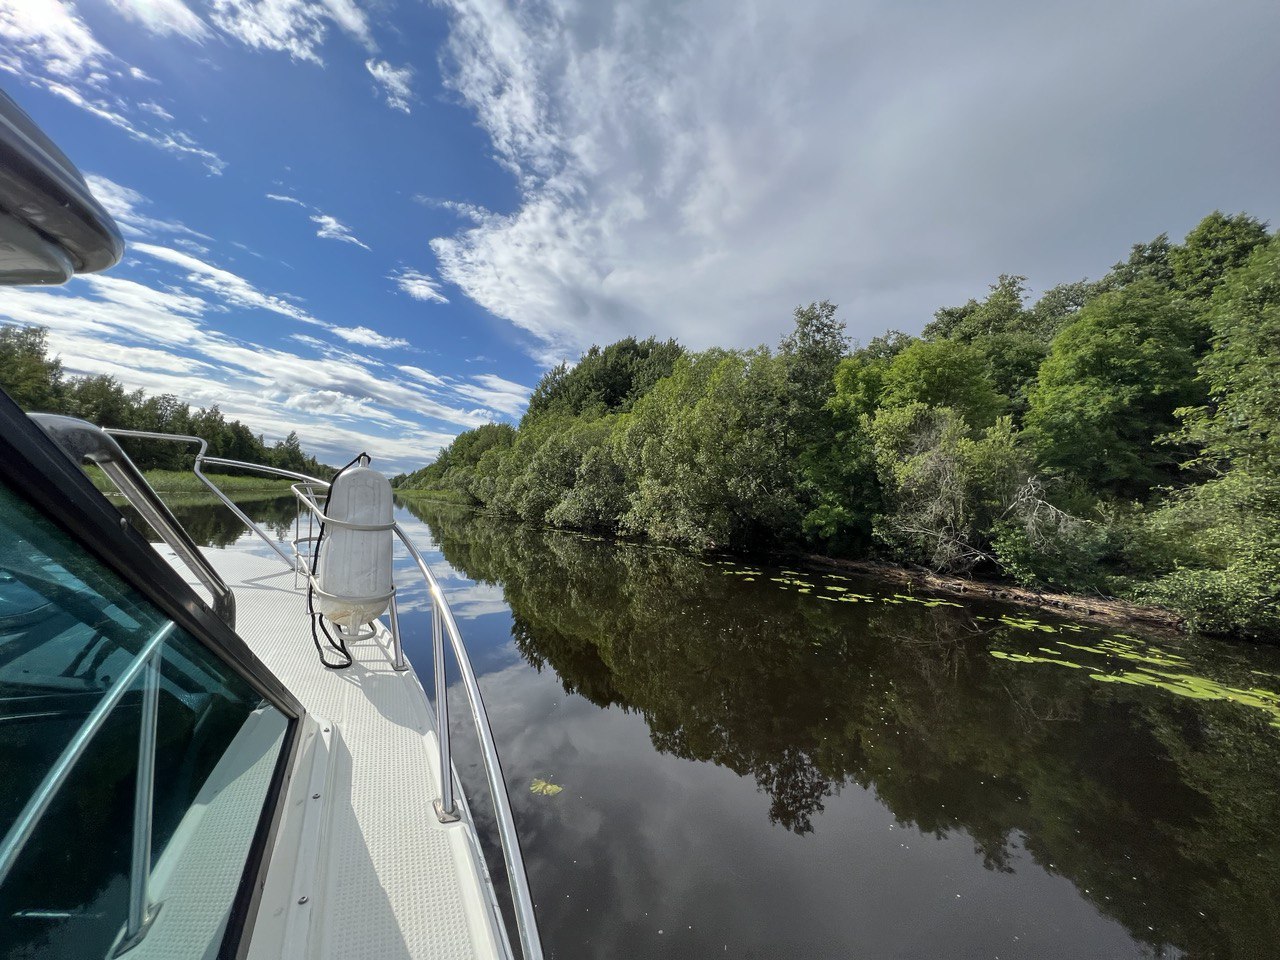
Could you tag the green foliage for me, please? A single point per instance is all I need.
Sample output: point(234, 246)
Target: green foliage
point(453, 465)
point(607, 380)
point(1116, 436)
point(942, 373)
point(945, 485)
point(713, 449)
point(1109, 388)
point(1001, 312)
point(1227, 530)
point(35, 382)
point(1218, 244)
point(1045, 547)
point(1147, 261)
point(28, 374)
point(813, 350)
point(1011, 339)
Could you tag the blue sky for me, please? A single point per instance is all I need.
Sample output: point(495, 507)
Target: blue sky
point(378, 221)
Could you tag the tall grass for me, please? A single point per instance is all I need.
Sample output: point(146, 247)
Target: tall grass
point(184, 481)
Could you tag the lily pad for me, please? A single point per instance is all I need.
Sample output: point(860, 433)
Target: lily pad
point(544, 788)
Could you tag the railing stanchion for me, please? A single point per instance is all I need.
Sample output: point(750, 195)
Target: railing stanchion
point(444, 807)
point(397, 648)
point(143, 796)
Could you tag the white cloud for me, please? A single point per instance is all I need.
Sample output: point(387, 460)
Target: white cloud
point(368, 338)
point(50, 33)
point(331, 228)
point(426, 376)
point(696, 170)
point(295, 27)
point(394, 82)
point(156, 339)
point(229, 287)
point(495, 393)
point(155, 109)
point(419, 285)
point(468, 211)
point(123, 204)
point(46, 44)
point(174, 141)
point(163, 17)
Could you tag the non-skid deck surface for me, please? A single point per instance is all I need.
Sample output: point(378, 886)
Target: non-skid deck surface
point(396, 883)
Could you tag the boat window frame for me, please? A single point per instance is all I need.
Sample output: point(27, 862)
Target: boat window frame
point(37, 470)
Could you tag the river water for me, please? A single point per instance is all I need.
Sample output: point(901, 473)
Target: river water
point(708, 758)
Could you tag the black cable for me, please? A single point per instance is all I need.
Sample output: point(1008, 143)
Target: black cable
point(318, 618)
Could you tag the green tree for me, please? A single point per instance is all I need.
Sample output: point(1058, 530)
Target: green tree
point(101, 400)
point(846, 490)
point(604, 380)
point(1218, 244)
point(712, 451)
point(27, 373)
point(942, 373)
point(945, 487)
point(1225, 534)
point(1011, 339)
point(813, 350)
point(1146, 261)
point(1109, 388)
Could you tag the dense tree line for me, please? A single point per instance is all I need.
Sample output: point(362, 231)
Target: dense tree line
point(1116, 436)
point(36, 382)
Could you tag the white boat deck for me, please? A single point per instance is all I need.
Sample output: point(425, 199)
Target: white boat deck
point(381, 876)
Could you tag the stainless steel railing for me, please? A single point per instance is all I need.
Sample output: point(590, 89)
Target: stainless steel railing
point(83, 442)
point(307, 490)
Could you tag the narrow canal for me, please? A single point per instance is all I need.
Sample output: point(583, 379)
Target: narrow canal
point(713, 759)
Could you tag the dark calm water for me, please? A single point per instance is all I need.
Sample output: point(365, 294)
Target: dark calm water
point(767, 763)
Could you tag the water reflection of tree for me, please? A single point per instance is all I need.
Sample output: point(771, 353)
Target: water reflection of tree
point(1162, 811)
point(212, 525)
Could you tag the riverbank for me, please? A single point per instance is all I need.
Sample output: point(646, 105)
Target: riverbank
point(1108, 610)
point(1101, 609)
point(186, 482)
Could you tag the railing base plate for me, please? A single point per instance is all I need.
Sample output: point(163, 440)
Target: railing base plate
point(445, 816)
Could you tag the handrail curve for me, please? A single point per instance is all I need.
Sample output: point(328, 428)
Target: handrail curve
point(85, 443)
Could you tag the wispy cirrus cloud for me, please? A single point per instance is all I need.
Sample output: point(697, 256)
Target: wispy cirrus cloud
point(158, 338)
point(170, 141)
point(48, 45)
point(161, 323)
point(50, 34)
point(285, 198)
point(295, 27)
point(496, 393)
point(229, 287)
point(125, 206)
point(164, 18)
point(153, 108)
point(331, 228)
point(328, 227)
point(418, 285)
point(395, 83)
point(365, 337)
